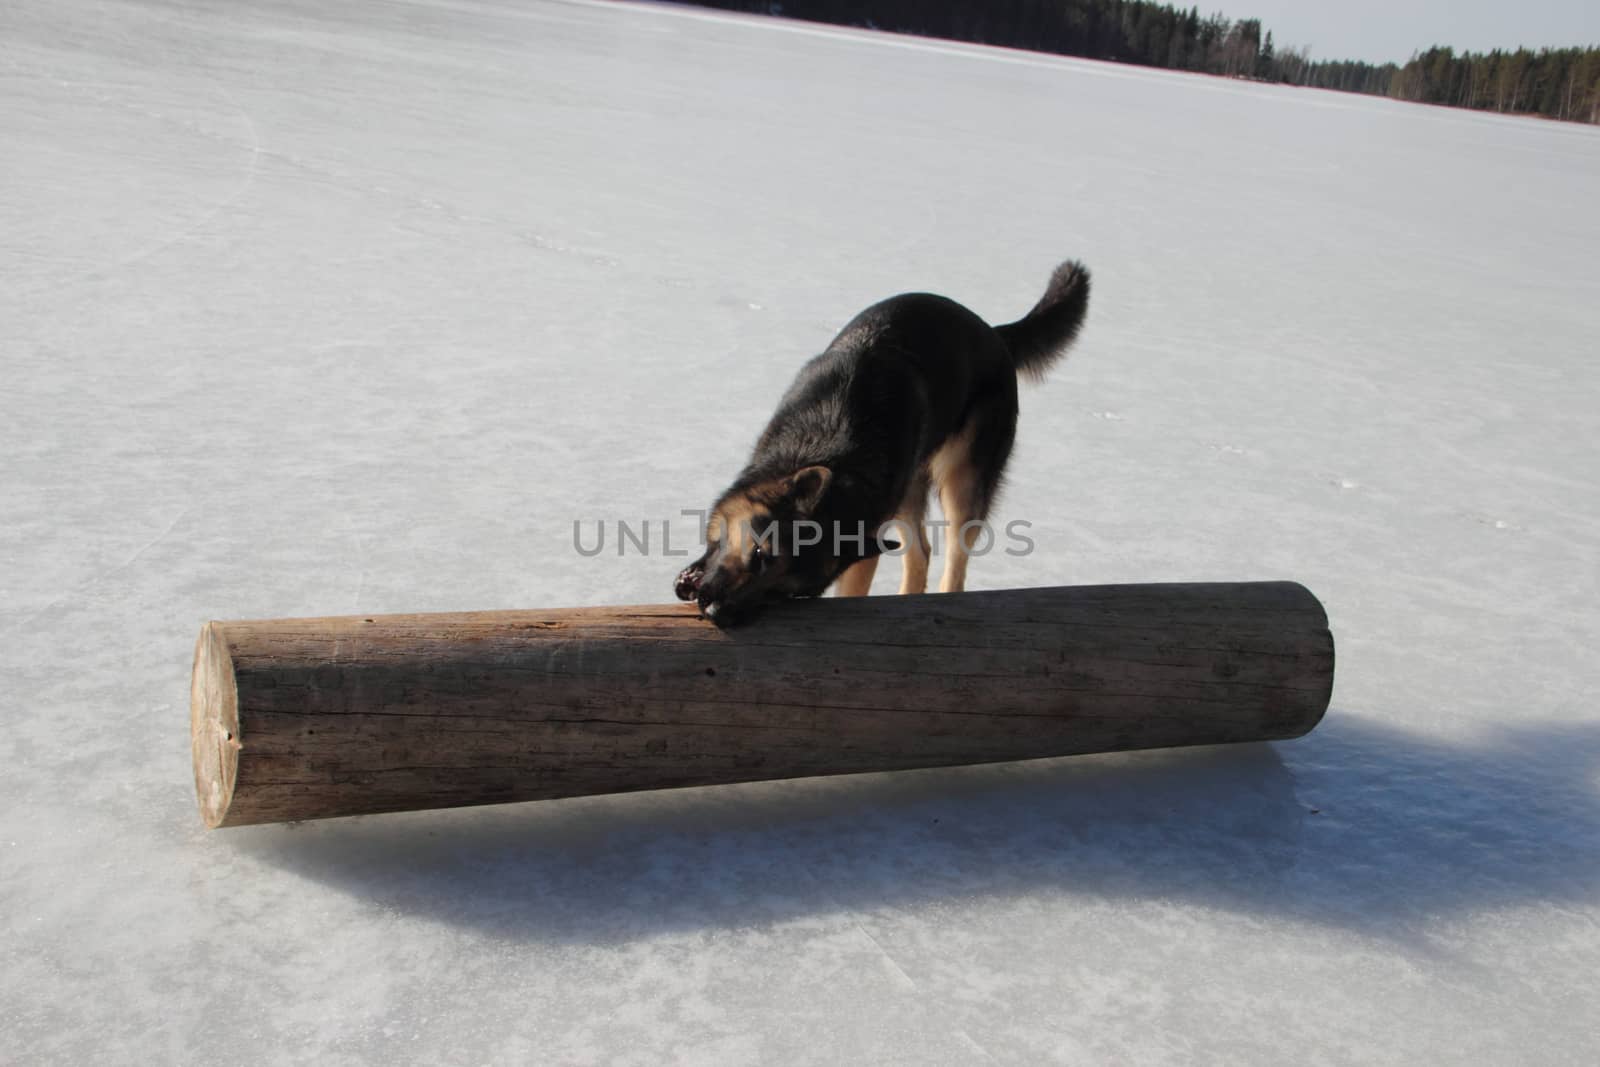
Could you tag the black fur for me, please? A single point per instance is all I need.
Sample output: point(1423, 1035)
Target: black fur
point(1044, 334)
point(902, 379)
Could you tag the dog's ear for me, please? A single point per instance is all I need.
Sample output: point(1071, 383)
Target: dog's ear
point(806, 487)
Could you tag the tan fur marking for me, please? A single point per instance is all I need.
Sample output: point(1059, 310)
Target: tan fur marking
point(857, 578)
point(956, 453)
point(914, 564)
point(909, 522)
point(732, 523)
point(956, 479)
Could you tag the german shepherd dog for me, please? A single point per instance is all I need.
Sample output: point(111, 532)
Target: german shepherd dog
point(916, 394)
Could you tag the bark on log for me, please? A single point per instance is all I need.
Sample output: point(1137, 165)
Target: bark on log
point(310, 718)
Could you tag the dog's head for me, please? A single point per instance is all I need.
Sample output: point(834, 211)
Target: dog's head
point(772, 540)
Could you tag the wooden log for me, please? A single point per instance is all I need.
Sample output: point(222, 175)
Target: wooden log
point(310, 718)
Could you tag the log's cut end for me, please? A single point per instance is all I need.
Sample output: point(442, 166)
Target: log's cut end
point(214, 725)
point(1322, 653)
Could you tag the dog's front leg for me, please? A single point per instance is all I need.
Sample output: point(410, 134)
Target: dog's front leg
point(914, 578)
point(857, 580)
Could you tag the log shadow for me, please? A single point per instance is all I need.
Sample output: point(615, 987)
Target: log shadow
point(1359, 825)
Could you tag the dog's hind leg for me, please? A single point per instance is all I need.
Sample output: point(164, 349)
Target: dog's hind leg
point(912, 518)
point(968, 469)
point(960, 501)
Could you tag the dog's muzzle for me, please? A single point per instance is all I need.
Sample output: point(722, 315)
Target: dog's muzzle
point(687, 585)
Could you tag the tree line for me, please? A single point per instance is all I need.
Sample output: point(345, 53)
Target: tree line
point(1558, 83)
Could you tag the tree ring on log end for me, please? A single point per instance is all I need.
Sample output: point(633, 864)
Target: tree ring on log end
point(214, 725)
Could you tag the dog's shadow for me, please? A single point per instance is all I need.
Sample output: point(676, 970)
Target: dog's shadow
point(1357, 825)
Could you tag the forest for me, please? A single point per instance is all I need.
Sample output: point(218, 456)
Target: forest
point(1557, 83)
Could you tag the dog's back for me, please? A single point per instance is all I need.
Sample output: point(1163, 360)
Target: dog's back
point(896, 381)
point(908, 373)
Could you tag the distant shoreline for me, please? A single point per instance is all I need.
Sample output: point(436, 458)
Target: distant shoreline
point(1562, 84)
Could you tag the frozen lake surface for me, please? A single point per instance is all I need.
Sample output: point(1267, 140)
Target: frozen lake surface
point(313, 308)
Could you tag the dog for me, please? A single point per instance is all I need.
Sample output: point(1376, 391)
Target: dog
point(917, 394)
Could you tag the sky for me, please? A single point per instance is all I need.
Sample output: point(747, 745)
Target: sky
point(1384, 30)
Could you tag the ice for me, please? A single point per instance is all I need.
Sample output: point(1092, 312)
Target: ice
point(315, 308)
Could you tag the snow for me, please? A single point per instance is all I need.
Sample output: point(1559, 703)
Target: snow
point(315, 308)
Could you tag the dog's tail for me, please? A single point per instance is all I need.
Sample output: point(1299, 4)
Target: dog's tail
point(1044, 334)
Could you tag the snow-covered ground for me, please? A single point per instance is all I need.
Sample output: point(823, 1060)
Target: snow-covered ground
point(314, 308)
